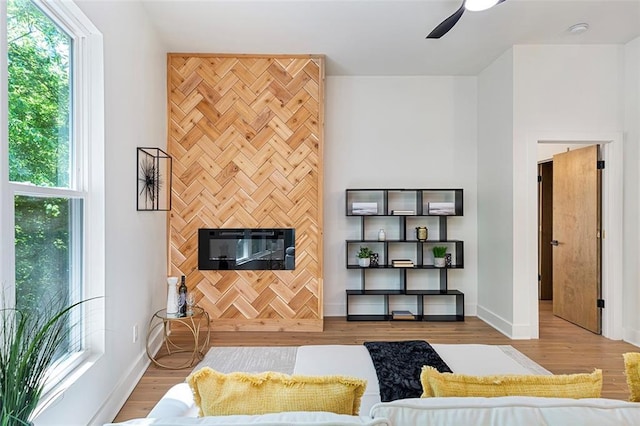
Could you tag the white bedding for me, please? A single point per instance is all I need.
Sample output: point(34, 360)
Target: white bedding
point(177, 406)
point(354, 360)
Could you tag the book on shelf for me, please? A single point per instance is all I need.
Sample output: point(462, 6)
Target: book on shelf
point(402, 315)
point(402, 263)
point(403, 212)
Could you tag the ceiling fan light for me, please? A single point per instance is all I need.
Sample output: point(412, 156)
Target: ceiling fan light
point(477, 5)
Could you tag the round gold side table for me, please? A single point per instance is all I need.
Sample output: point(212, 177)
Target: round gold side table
point(198, 323)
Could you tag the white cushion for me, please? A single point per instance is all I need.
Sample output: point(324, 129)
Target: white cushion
point(177, 402)
point(508, 410)
point(306, 418)
point(347, 360)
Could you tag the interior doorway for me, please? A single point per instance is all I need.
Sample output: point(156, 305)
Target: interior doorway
point(525, 215)
point(569, 234)
point(545, 230)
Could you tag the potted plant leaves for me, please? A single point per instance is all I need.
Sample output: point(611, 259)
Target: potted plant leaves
point(29, 343)
point(364, 256)
point(438, 256)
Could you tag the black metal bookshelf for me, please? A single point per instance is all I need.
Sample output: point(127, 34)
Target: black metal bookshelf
point(406, 206)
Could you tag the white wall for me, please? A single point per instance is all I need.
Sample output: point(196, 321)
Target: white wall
point(631, 289)
point(397, 132)
point(135, 111)
point(495, 193)
point(558, 91)
point(567, 88)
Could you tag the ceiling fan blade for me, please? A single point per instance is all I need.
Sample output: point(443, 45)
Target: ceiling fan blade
point(447, 24)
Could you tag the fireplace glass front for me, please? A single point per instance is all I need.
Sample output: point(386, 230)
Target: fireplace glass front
point(246, 248)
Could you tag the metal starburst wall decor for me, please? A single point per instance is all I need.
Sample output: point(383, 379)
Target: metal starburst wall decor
point(154, 180)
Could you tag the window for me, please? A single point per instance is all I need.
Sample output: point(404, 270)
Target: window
point(51, 162)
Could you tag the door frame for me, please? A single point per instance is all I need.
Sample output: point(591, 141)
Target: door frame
point(525, 273)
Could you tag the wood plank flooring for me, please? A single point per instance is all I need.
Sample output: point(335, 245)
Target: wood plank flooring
point(563, 348)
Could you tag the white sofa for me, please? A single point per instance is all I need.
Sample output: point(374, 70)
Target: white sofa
point(178, 408)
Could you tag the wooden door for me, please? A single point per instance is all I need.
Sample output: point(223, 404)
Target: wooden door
point(576, 237)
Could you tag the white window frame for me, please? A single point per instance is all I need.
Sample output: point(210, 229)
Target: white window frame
point(89, 182)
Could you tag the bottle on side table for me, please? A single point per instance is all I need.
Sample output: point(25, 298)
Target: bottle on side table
point(182, 298)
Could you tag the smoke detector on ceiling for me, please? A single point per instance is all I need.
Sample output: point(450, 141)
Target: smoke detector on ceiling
point(578, 28)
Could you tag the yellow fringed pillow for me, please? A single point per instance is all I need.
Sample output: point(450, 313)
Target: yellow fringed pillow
point(218, 394)
point(576, 386)
point(632, 372)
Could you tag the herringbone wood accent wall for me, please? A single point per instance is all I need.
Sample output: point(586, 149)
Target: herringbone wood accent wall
point(245, 134)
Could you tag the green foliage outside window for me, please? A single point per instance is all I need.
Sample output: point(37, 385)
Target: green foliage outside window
point(39, 101)
point(42, 249)
point(39, 97)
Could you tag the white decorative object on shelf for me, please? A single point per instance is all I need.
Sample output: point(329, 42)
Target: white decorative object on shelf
point(381, 235)
point(442, 208)
point(364, 208)
point(364, 261)
point(172, 296)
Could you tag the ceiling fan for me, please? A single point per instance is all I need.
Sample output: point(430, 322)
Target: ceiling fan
point(473, 5)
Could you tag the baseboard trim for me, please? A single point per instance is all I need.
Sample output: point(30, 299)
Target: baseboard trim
point(631, 335)
point(495, 321)
point(123, 389)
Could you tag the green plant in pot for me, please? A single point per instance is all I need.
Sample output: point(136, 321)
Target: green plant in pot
point(438, 256)
point(364, 256)
point(29, 345)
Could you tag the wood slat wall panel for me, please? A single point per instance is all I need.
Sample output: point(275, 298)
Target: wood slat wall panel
point(245, 134)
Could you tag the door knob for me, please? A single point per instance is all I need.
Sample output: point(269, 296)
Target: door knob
point(554, 242)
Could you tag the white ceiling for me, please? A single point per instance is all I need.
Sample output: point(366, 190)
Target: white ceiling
point(386, 37)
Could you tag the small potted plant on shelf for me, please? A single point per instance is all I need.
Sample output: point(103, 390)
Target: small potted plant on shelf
point(364, 256)
point(438, 256)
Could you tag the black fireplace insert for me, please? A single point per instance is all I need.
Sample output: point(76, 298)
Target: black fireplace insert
point(246, 248)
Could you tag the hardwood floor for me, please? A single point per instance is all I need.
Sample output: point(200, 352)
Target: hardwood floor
point(563, 348)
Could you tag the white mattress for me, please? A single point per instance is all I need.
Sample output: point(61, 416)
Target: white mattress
point(354, 360)
point(483, 360)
